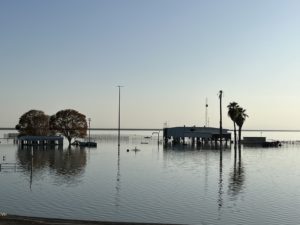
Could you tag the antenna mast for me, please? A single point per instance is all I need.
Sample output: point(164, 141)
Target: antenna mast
point(206, 109)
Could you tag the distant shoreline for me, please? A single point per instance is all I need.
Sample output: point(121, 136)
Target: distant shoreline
point(107, 129)
point(161, 129)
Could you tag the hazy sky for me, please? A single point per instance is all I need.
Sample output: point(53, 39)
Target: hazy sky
point(170, 55)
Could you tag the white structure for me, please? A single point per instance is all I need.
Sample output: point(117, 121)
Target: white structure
point(201, 134)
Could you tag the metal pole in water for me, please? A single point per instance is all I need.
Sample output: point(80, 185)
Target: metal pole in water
point(119, 121)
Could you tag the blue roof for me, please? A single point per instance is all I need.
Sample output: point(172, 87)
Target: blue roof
point(40, 138)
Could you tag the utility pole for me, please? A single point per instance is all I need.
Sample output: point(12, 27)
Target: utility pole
point(119, 121)
point(221, 135)
point(206, 113)
point(89, 119)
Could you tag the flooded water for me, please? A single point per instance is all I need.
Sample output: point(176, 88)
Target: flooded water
point(167, 185)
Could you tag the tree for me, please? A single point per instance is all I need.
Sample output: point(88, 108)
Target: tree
point(33, 122)
point(240, 119)
point(69, 123)
point(232, 113)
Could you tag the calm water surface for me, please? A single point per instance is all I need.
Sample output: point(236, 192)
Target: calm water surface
point(181, 185)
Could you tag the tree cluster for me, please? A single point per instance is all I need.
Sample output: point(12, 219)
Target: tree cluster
point(69, 123)
point(238, 115)
point(34, 122)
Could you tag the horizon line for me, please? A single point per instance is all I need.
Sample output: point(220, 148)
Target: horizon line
point(161, 129)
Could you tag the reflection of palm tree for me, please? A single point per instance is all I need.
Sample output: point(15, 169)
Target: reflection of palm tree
point(232, 113)
point(237, 179)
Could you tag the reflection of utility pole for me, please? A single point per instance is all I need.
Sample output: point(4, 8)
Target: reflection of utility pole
point(206, 173)
point(31, 170)
point(119, 114)
point(118, 180)
point(220, 199)
point(221, 135)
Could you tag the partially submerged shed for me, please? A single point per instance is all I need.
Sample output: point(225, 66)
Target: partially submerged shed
point(195, 134)
point(41, 140)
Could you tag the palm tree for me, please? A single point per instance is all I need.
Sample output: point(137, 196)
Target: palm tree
point(232, 113)
point(240, 119)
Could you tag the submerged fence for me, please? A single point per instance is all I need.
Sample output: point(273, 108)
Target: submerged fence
point(10, 167)
point(123, 138)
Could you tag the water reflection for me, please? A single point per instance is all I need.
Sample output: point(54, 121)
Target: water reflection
point(237, 176)
point(118, 180)
point(201, 146)
point(220, 190)
point(185, 156)
point(66, 165)
point(205, 162)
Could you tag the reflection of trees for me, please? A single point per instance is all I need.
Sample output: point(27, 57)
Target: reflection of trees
point(66, 165)
point(237, 178)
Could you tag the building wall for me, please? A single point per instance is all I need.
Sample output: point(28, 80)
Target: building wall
point(202, 132)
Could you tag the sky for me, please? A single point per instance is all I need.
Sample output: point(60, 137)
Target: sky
point(169, 55)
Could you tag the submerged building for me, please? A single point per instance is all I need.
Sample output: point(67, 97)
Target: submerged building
point(40, 140)
point(198, 135)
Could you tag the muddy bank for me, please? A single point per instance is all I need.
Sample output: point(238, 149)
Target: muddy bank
point(24, 220)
